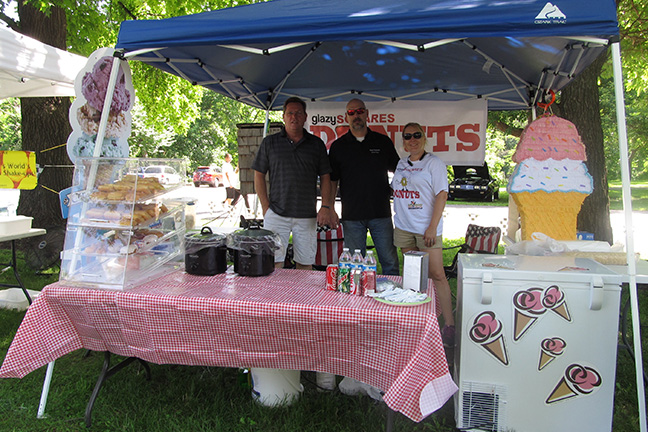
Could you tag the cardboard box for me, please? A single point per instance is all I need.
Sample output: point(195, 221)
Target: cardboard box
point(10, 225)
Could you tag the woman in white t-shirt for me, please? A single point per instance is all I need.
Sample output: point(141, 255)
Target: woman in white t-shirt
point(420, 187)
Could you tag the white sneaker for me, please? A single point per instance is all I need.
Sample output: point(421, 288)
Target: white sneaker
point(353, 387)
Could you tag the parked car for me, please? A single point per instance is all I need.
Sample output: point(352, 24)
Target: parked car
point(164, 173)
point(474, 183)
point(205, 175)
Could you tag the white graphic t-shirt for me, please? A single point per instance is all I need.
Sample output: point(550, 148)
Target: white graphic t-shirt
point(416, 185)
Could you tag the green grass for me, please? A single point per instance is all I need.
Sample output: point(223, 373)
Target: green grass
point(195, 399)
point(638, 191)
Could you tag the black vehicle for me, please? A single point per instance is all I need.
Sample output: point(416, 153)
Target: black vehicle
point(474, 183)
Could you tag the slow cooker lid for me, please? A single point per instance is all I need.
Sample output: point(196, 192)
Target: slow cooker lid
point(254, 239)
point(204, 237)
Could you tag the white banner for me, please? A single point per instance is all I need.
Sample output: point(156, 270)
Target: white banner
point(456, 131)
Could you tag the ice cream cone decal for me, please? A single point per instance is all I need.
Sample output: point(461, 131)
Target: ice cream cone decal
point(528, 308)
point(550, 348)
point(487, 332)
point(578, 381)
point(554, 299)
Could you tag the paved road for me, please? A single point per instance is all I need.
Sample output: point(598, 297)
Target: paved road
point(456, 217)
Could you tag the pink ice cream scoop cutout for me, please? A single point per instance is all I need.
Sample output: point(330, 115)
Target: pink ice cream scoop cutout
point(550, 137)
point(584, 379)
point(95, 85)
point(528, 308)
point(487, 332)
point(554, 300)
point(578, 380)
point(550, 349)
point(530, 301)
point(485, 326)
point(554, 345)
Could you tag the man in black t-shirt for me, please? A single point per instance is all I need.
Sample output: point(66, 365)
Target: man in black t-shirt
point(360, 161)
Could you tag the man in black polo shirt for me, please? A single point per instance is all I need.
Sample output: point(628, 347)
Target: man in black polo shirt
point(294, 159)
point(360, 160)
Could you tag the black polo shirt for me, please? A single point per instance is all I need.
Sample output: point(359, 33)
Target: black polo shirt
point(361, 168)
point(293, 168)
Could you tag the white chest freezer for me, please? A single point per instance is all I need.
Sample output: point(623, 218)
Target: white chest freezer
point(537, 343)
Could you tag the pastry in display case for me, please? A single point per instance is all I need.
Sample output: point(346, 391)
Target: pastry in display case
point(124, 224)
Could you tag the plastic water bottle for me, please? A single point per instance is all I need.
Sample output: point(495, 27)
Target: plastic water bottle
point(357, 260)
point(345, 259)
point(369, 263)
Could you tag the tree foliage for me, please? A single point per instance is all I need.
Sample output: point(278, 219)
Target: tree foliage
point(10, 138)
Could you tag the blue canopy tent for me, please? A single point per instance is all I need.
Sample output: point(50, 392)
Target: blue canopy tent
point(509, 52)
point(260, 54)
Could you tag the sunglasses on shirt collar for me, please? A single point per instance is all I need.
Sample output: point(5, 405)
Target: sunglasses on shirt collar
point(358, 111)
point(409, 136)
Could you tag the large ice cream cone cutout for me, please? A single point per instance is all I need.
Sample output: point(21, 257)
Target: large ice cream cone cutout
point(550, 348)
point(487, 332)
point(528, 308)
point(554, 299)
point(551, 181)
point(578, 380)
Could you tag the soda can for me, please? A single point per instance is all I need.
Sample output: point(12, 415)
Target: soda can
point(368, 282)
point(343, 282)
point(331, 277)
point(356, 282)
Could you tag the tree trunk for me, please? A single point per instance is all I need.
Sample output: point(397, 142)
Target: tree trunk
point(579, 103)
point(45, 126)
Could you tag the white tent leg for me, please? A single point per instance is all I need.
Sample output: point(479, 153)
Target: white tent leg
point(627, 207)
point(266, 123)
point(45, 392)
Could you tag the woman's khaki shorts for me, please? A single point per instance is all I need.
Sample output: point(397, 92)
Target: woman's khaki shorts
point(407, 240)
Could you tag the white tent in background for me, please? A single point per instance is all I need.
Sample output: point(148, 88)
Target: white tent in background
point(29, 68)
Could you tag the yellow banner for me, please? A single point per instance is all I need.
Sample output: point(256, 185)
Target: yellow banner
point(17, 170)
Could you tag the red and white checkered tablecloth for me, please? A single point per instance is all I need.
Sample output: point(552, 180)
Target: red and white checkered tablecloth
point(285, 320)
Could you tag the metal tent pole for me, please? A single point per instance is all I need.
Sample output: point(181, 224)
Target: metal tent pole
point(627, 208)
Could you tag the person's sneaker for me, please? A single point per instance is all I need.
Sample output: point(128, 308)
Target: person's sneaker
point(448, 336)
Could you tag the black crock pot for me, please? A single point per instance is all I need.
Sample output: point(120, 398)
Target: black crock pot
point(253, 250)
point(205, 252)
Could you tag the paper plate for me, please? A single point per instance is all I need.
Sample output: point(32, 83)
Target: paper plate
point(427, 300)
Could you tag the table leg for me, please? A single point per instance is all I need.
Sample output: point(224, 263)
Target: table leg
point(389, 424)
point(45, 392)
point(12, 265)
point(107, 372)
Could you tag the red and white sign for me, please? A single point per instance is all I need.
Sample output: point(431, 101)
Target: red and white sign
point(456, 131)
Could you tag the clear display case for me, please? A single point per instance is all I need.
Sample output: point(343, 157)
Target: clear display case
point(123, 225)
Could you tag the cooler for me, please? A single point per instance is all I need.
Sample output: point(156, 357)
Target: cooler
point(537, 343)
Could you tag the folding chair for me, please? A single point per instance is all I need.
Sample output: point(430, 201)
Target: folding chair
point(478, 240)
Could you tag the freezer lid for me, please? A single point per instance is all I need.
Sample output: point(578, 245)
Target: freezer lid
point(521, 267)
